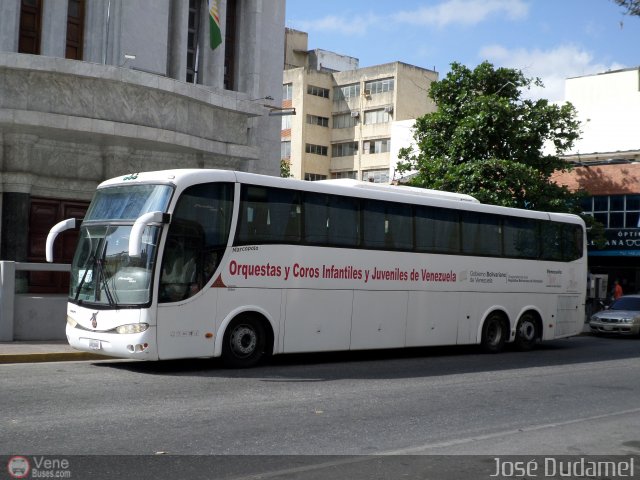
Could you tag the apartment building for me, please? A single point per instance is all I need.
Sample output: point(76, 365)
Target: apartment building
point(350, 122)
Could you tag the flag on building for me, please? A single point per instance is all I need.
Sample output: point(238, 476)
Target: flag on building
point(215, 35)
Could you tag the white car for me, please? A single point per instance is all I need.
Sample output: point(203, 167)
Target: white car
point(622, 317)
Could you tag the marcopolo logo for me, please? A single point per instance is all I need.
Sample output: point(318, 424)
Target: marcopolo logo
point(18, 467)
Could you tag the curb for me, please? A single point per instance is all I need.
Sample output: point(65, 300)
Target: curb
point(49, 357)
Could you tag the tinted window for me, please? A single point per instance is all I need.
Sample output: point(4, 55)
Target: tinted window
point(331, 220)
point(551, 235)
point(387, 225)
point(521, 238)
point(275, 215)
point(437, 230)
point(316, 218)
point(481, 234)
point(600, 204)
point(343, 225)
point(196, 239)
point(269, 215)
point(572, 242)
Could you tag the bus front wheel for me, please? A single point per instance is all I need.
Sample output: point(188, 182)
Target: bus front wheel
point(494, 333)
point(244, 343)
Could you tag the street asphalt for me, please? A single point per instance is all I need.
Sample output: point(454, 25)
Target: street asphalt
point(59, 351)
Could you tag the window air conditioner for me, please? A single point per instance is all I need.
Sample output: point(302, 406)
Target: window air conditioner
point(388, 109)
point(355, 114)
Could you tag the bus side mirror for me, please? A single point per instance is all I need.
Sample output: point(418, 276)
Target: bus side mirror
point(58, 228)
point(135, 240)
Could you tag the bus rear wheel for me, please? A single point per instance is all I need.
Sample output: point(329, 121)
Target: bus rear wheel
point(526, 333)
point(494, 333)
point(244, 343)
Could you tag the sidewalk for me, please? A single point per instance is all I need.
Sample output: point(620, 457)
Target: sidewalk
point(27, 352)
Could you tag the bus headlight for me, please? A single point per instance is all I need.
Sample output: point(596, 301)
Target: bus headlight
point(132, 328)
point(71, 322)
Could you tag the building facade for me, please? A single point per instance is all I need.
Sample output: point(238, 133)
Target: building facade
point(92, 89)
point(350, 122)
point(606, 166)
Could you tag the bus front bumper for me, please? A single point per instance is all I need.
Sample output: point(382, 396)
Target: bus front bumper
point(139, 346)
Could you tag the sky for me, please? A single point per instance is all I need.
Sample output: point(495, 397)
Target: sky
point(549, 39)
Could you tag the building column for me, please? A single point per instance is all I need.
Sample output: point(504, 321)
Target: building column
point(178, 39)
point(103, 25)
point(249, 54)
point(9, 25)
point(95, 16)
point(211, 68)
point(54, 28)
point(16, 195)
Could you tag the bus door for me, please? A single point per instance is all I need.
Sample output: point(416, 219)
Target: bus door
point(193, 249)
point(184, 312)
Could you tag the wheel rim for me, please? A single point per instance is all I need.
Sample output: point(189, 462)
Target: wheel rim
point(243, 341)
point(527, 330)
point(494, 333)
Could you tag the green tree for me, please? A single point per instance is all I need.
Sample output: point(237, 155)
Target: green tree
point(632, 7)
point(487, 141)
point(285, 169)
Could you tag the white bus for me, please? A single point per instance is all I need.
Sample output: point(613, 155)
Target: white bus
point(209, 263)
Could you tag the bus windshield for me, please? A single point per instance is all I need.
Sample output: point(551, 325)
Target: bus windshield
point(128, 202)
point(102, 273)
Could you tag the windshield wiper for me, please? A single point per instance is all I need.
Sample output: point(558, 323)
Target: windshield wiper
point(102, 278)
point(90, 261)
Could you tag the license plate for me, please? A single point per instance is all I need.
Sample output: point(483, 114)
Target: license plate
point(608, 328)
point(94, 344)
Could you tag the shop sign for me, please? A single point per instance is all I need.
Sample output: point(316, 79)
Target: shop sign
point(619, 243)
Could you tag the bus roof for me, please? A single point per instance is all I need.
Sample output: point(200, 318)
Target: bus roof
point(383, 187)
point(186, 177)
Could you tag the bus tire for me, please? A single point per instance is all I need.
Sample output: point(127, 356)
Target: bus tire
point(527, 332)
point(494, 333)
point(244, 343)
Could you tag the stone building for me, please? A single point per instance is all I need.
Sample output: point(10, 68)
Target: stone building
point(92, 89)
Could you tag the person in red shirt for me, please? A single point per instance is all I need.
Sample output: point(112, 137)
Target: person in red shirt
point(617, 290)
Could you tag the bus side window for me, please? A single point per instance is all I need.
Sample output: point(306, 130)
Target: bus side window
point(254, 215)
point(261, 226)
point(481, 234)
point(269, 215)
point(196, 240)
point(521, 238)
point(179, 276)
point(316, 218)
point(284, 215)
point(344, 222)
point(437, 230)
point(375, 225)
point(387, 225)
point(399, 227)
point(551, 241)
point(572, 243)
